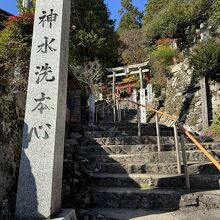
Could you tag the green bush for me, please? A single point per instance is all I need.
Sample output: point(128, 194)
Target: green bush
point(160, 59)
point(157, 90)
point(164, 55)
point(214, 129)
point(205, 59)
point(15, 48)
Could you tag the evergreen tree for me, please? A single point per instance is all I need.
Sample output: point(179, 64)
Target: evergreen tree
point(175, 19)
point(153, 7)
point(93, 36)
point(132, 48)
point(131, 16)
point(214, 19)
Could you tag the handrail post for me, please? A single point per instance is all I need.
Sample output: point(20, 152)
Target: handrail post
point(117, 107)
point(96, 114)
point(158, 132)
point(103, 111)
point(119, 113)
point(182, 140)
point(183, 130)
point(177, 149)
point(108, 108)
point(124, 111)
point(114, 113)
point(139, 120)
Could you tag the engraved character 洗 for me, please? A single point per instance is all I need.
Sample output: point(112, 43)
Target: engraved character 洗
point(43, 73)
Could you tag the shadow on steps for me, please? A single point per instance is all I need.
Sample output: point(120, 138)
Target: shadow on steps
point(110, 184)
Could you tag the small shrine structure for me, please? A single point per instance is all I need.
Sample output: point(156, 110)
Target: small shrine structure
point(125, 86)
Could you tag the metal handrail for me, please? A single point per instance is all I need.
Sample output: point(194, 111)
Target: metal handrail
point(101, 108)
point(181, 127)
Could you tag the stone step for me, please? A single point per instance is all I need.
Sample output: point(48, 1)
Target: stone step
point(202, 200)
point(146, 181)
point(158, 168)
point(143, 214)
point(126, 132)
point(134, 149)
point(165, 199)
point(153, 157)
point(116, 214)
point(131, 140)
point(118, 126)
point(126, 140)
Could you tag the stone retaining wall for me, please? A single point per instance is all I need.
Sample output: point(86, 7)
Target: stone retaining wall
point(183, 97)
point(11, 122)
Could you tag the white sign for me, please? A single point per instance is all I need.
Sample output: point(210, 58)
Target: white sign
point(149, 93)
point(143, 110)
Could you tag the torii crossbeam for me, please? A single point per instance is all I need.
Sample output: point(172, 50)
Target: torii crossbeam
point(130, 70)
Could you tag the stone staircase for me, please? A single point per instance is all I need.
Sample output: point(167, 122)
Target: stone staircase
point(129, 178)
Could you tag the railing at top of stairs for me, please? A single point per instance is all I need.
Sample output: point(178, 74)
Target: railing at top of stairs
point(177, 126)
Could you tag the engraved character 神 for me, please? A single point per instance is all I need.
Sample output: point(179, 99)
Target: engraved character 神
point(50, 18)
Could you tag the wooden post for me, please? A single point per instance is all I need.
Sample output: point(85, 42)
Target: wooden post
point(177, 149)
point(113, 94)
point(182, 140)
point(205, 117)
point(158, 133)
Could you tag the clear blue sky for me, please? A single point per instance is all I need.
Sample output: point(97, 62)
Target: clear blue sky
point(113, 5)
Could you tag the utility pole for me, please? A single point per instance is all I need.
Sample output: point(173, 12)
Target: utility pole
point(27, 4)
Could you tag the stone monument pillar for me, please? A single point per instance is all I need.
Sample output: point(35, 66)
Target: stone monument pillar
point(40, 174)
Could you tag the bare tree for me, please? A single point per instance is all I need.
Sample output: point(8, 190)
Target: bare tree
point(133, 48)
point(90, 74)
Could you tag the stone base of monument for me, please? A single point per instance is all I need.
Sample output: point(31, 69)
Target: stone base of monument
point(66, 214)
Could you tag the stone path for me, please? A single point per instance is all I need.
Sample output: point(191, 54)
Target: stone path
point(129, 179)
point(122, 214)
